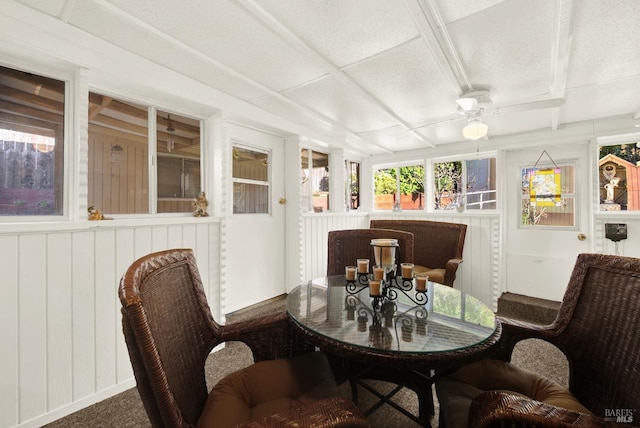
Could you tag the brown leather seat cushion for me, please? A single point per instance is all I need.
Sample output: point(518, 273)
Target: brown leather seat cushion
point(266, 387)
point(455, 392)
point(435, 275)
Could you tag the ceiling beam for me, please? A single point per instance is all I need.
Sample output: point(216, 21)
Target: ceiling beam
point(271, 23)
point(310, 112)
point(560, 53)
point(433, 29)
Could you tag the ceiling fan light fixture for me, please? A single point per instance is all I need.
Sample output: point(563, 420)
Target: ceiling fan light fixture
point(475, 129)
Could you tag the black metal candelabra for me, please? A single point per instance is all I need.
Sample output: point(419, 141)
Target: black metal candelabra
point(390, 288)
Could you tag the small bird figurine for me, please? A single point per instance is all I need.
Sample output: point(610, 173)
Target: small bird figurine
point(94, 213)
point(200, 204)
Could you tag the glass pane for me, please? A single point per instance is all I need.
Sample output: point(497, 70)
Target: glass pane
point(619, 177)
point(411, 187)
point(250, 198)
point(353, 185)
point(481, 184)
point(31, 144)
point(448, 188)
point(548, 196)
point(305, 182)
point(169, 177)
point(385, 187)
point(250, 165)
point(250, 181)
point(320, 181)
point(178, 141)
point(118, 156)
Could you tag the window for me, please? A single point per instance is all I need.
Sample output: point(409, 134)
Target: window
point(548, 196)
point(251, 187)
point(469, 184)
point(353, 185)
point(619, 177)
point(399, 188)
point(31, 144)
point(118, 172)
point(178, 140)
point(315, 180)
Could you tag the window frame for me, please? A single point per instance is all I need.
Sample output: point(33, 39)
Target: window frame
point(569, 195)
point(66, 181)
point(397, 196)
point(310, 181)
point(597, 179)
point(430, 190)
point(269, 182)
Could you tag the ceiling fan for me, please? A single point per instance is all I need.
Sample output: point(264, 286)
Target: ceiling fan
point(472, 105)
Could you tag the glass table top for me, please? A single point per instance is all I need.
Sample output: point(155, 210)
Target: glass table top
point(450, 320)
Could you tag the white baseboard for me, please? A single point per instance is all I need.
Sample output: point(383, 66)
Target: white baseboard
point(77, 405)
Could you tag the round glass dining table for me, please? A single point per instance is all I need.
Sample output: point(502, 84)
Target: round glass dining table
point(445, 330)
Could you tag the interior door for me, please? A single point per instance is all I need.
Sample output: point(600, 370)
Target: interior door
point(255, 238)
point(540, 258)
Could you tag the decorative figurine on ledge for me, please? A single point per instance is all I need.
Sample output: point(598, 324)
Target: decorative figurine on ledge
point(200, 204)
point(94, 213)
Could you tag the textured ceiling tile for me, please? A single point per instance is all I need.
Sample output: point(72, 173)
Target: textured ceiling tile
point(606, 42)
point(395, 138)
point(222, 30)
point(507, 48)
point(346, 31)
point(617, 97)
point(453, 10)
point(113, 29)
point(328, 97)
point(408, 80)
point(50, 7)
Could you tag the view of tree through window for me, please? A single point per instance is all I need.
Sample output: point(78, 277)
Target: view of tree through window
point(399, 188)
point(466, 184)
point(619, 177)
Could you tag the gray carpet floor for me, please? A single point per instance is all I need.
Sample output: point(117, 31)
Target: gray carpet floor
point(126, 410)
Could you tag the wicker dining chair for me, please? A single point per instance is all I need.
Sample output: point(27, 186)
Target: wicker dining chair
point(344, 248)
point(169, 331)
point(597, 330)
point(437, 246)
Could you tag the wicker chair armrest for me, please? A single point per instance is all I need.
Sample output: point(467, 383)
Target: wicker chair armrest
point(450, 270)
point(335, 412)
point(269, 336)
point(514, 331)
point(499, 409)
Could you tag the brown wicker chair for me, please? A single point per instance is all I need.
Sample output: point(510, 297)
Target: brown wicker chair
point(344, 248)
point(437, 246)
point(169, 331)
point(597, 330)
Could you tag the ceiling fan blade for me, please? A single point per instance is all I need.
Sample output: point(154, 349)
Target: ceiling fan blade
point(532, 105)
point(468, 103)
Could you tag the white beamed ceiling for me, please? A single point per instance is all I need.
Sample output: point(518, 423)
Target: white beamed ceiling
point(373, 73)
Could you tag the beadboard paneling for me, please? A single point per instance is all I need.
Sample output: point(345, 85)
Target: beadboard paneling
point(60, 312)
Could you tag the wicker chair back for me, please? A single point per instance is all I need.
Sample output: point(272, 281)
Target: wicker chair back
point(598, 324)
point(346, 246)
point(169, 332)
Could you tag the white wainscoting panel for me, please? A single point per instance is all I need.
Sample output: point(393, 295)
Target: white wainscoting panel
point(62, 339)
